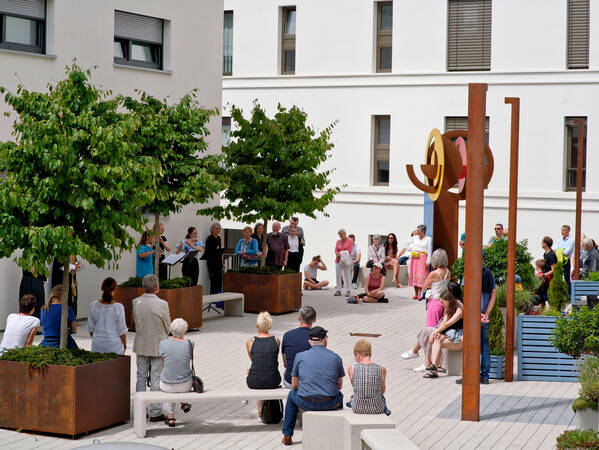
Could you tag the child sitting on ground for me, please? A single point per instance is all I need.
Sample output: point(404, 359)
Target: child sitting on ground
point(368, 380)
point(21, 327)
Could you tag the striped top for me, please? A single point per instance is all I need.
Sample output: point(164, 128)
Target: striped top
point(368, 398)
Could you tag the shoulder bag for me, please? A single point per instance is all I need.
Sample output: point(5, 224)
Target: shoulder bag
point(197, 385)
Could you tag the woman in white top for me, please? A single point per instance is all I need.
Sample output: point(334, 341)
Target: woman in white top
point(376, 252)
point(420, 259)
point(294, 257)
point(21, 328)
point(106, 322)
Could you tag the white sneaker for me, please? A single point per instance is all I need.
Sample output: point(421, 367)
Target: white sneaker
point(409, 355)
point(324, 288)
point(354, 285)
point(421, 368)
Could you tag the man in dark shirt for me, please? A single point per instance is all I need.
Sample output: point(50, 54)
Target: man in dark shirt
point(317, 379)
point(546, 275)
point(277, 247)
point(296, 341)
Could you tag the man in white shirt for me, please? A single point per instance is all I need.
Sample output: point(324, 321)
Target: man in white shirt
point(567, 244)
point(152, 324)
point(356, 255)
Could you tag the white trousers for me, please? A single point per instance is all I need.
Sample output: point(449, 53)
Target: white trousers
point(169, 408)
point(344, 272)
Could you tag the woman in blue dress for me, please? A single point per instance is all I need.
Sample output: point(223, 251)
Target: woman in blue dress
point(51, 313)
point(145, 257)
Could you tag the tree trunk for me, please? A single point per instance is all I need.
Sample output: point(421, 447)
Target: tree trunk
point(157, 242)
point(264, 233)
point(64, 314)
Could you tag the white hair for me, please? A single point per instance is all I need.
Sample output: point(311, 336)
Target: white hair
point(588, 242)
point(149, 283)
point(264, 322)
point(341, 230)
point(439, 258)
point(178, 327)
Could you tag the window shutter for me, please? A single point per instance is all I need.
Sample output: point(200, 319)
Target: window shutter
point(461, 123)
point(469, 35)
point(137, 27)
point(34, 9)
point(578, 34)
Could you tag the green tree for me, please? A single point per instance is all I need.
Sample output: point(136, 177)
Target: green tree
point(496, 331)
point(74, 184)
point(270, 167)
point(175, 136)
point(577, 333)
point(558, 289)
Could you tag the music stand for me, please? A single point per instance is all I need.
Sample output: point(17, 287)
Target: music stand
point(171, 260)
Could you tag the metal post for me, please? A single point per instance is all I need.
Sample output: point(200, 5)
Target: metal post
point(576, 265)
point(511, 243)
point(475, 184)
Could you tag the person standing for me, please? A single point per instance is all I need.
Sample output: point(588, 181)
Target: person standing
point(145, 256)
point(247, 249)
point(191, 245)
point(214, 259)
point(316, 378)
point(590, 263)
point(33, 284)
point(566, 244)
point(258, 234)
point(500, 235)
point(152, 324)
point(57, 273)
point(296, 341)
point(300, 231)
point(343, 262)
point(164, 247)
point(277, 247)
point(296, 251)
point(356, 256)
point(420, 259)
point(106, 322)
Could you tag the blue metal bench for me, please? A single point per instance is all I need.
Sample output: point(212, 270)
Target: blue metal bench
point(580, 288)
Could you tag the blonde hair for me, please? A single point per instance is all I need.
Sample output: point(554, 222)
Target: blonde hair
point(56, 292)
point(248, 228)
point(264, 322)
point(363, 348)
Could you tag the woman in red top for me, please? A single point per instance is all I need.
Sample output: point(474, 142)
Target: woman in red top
point(374, 286)
point(343, 262)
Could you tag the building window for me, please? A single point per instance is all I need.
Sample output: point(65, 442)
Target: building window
point(384, 36)
point(382, 138)
point(461, 123)
point(469, 35)
point(288, 42)
point(23, 25)
point(226, 131)
point(138, 40)
point(228, 44)
point(572, 152)
point(578, 34)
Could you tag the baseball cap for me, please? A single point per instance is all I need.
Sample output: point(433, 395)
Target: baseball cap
point(378, 264)
point(317, 333)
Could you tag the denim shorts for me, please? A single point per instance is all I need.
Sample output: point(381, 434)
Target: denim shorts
point(454, 336)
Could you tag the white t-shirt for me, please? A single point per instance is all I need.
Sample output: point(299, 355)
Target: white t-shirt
point(17, 329)
point(355, 251)
point(107, 323)
point(312, 271)
point(293, 244)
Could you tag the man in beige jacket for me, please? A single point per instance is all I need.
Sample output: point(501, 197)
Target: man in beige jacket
point(152, 324)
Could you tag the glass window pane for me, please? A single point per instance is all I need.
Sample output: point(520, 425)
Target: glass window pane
point(290, 21)
point(118, 50)
point(228, 43)
point(226, 131)
point(382, 172)
point(289, 60)
point(384, 131)
point(386, 17)
point(385, 58)
point(143, 52)
point(21, 31)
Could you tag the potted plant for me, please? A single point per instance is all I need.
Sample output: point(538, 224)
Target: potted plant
point(522, 302)
point(585, 406)
point(496, 343)
point(183, 300)
point(63, 391)
point(270, 169)
point(574, 439)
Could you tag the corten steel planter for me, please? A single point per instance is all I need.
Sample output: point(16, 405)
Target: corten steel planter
point(182, 302)
point(276, 294)
point(64, 399)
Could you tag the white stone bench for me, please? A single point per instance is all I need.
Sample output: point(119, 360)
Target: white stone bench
point(142, 399)
point(233, 302)
point(385, 440)
point(340, 429)
point(454, 362)
point(403, 276)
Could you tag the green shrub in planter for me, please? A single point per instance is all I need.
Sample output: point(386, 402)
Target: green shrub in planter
point(577, 333)
point(570, 439)
point(42, 356)
point(264, 270)
point(593, 276)
point(558, 290)
point(522, 299)
point(496, 343)
point(173, 283)
point(588, 375)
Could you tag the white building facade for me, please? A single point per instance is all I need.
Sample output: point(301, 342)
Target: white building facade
point(163, 48)
point(389, 72)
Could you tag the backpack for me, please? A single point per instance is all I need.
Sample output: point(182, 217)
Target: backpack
point(272, 411)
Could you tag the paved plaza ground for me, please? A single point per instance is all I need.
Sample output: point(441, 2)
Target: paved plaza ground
point(522, 414)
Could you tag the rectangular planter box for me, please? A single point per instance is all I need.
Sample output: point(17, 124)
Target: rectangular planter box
point(497, 370)
point(182, 302)
point(537, 358)
point(64, 399)
point(276, 294)
point(587, 419)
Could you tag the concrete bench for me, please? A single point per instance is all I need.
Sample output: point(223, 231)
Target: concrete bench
point(143, 399)
point(403, 276)
point(385, 440)
point(340, 429)
point(454, 362)
point(233, 302)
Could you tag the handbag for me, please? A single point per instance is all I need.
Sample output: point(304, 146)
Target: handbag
point(197, 385)
point(345, 258)
point(272, 411)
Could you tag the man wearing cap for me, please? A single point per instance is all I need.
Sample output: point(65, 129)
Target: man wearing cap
point(317, 378)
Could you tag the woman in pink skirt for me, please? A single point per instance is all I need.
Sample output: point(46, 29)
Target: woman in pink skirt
point(420, 259)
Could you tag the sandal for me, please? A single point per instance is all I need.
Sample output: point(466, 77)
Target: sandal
point(430, 375)
point(186, 407)
point(432, 368)
point(441, 370)
point(170, 421)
